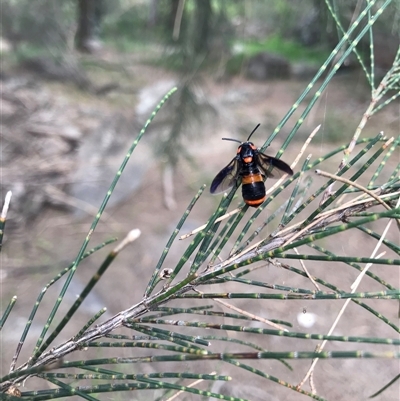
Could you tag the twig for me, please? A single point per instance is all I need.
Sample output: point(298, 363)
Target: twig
point(296, 160)
point(335, 323)
point(306, 271)
point(306, 143)
point(168, 187)
point(354, 184)
point(250, 315)
point(283, 238)
point(62, 197)
point(190, 385)
point(362, 274)
point(355, 202)
point(3, 216)
point(133, 235)
point(6, 206)
point(353, 287)
point(376, 95)
point(198, 229)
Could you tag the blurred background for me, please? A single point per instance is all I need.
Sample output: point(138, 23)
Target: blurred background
point(79, 78)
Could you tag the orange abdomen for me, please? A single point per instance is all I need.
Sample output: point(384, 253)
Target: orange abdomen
point(253, 189)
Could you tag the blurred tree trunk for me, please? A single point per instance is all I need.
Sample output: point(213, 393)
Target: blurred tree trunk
point(153, 13)
point(172, 15)
point(89, 19)
point(326, 26)
point(202, 28)
point(174, 22)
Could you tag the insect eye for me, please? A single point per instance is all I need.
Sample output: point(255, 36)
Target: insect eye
point(239, 150)
point(253, 147)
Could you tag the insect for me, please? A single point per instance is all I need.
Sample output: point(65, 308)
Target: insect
point(250, 167)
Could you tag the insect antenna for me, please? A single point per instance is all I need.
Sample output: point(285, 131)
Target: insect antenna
point(231, 139)
point(236, 140)
point(254, 130)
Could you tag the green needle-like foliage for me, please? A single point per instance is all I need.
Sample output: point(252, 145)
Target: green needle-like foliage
point(216, 314)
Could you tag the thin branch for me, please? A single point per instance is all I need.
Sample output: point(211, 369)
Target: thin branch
point(353, 287)
point(306, 271)
point(195, 383)
point(353, 184)
point(250, 315)
point(6, 206)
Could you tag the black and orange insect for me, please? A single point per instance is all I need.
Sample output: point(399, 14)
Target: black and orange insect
point(249, 167)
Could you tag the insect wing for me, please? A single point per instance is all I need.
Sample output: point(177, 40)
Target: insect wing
point(271, 167)
point(226, 178)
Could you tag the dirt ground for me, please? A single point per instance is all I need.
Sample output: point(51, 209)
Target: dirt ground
point(33, 255)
